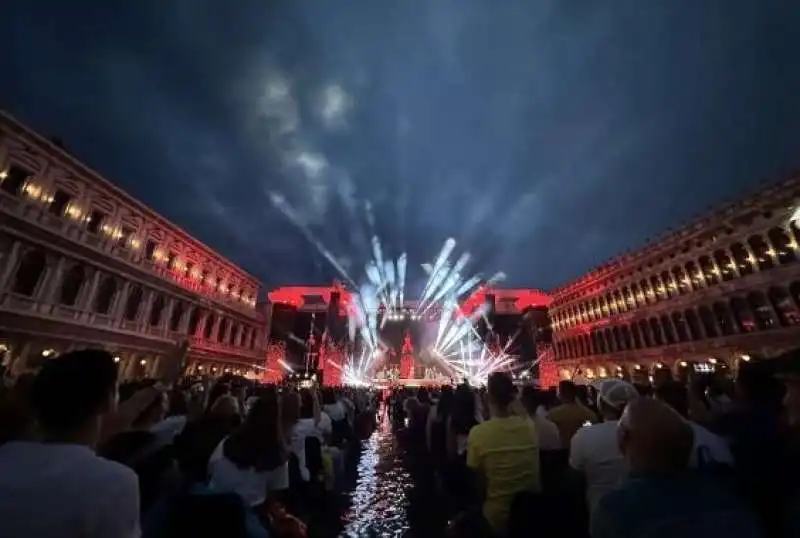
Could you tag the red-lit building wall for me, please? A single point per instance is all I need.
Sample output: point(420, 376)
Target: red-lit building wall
point(84, 264)
point(723, 289)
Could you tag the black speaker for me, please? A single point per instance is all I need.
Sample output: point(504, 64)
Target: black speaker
point(335, 323)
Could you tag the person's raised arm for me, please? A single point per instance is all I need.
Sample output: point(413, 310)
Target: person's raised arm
point(315, 405)
point(128, 411)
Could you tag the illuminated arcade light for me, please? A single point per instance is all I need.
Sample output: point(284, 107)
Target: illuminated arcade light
point(745, 358)
point(3, 174)
point(48, 352)
point(143, 362)
point(116, 359)
point(712, 360)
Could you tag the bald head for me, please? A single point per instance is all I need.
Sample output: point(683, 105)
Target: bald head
point(654, 437)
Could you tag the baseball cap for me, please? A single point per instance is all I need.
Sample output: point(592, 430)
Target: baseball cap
point(616, 393)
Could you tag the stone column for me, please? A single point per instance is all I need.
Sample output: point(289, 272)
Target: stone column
point(751, 256)
point(51, 285)
point(201, 325)
point(215, 329)
point(183, 326)
point(9, 263)
point(118, 309)
point(237, 339)
point(143, 317)
point(166, 315)
point(88, 293)
point(226, 337)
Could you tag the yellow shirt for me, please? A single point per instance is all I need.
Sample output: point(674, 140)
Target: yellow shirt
point(569, 418)
point(506, 452)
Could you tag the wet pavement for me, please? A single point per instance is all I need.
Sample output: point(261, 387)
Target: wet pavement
point(386, 501)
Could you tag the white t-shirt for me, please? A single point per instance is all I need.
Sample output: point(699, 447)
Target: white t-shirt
point(251, 485)
point(169, 428)
point(714, 447)
point(594, 452)
point(549, 438)
point(303, 428)
point(63, 490)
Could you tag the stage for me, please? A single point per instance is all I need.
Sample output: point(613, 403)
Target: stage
point(387, 383)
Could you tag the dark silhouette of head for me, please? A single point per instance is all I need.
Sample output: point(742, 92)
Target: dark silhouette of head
point(72, 392)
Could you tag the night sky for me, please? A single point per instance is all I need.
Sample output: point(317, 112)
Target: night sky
point(545, 136)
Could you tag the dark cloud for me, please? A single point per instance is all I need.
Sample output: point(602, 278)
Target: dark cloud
point(545, 136)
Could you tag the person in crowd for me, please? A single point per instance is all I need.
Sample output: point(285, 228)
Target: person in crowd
point(311, 422)
point(59, 487)
point(709, 449)
point(147, 453)
point(571, 414)
point(663, 496)
point(252, 460)
point(436, 427)
point(594, 451)
point(462, 418)
point(503, 452)
point(201, 436)
point(534, 402)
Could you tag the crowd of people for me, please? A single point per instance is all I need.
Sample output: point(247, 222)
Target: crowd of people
point(615, 459)
point(83, 456)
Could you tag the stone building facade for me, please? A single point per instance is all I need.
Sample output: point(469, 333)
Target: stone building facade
point(84, 264)
point(721, 290)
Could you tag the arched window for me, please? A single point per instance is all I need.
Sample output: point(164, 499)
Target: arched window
point(761, 310)
point(105, 295)
point(669, 289)
point(29, 272)
point(783, 305)
point(784, 248)
point(234, 331)
point(693, 324)
point(742, 315)
point(725, 265)
point(626, 336)
point(648, 294)
point(223, 323)
point(658, 289)
point(681, 281)
point(637, 338)
point(194, 321)
point(253, 339)
point(709, 271)
point(209, 326)
point(175, 320)
point(742, 259)
point(597, 342)
point(620, 345)
point(761, 251)
point(644, 331)
point(707, 319)
point(694, 276)
point(71, 285)
point(156, 311)
point(666, 328)
point(681, 329)
point(133, 303)
point(724, 319)
point(655, 330)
